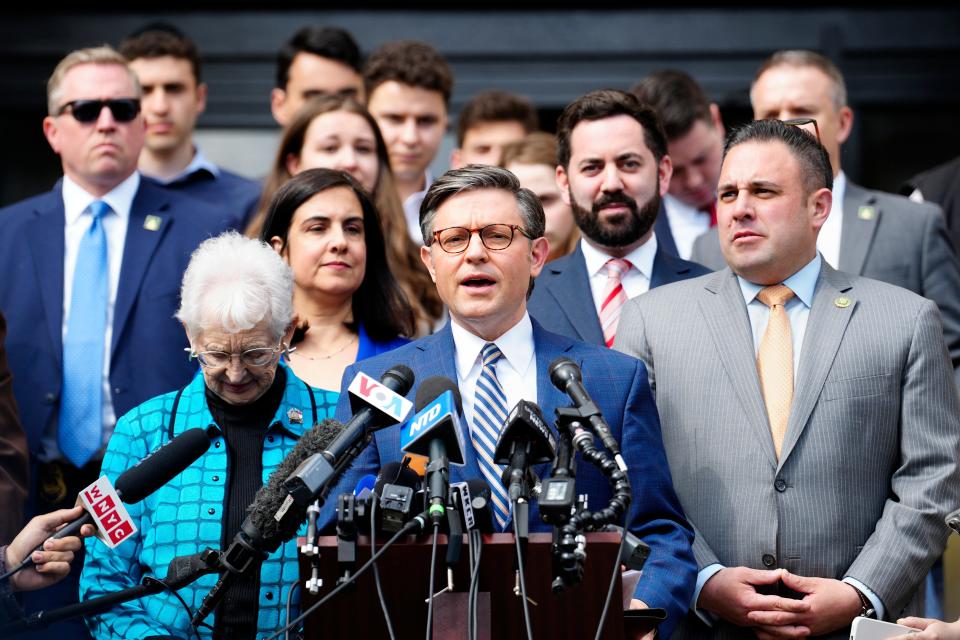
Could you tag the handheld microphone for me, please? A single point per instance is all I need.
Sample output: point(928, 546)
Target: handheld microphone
point(435, 431)
point(525, 440)
point(475, 498)
point(272, 517)
point(136, 483)
point(567, 377)
point(376, 405)
point(396, 492)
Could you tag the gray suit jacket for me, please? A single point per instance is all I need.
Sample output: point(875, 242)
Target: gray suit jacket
point(868, 466)
point(903, 243)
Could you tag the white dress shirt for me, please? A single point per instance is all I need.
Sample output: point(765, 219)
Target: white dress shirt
point(687, 223)
point(828, 241)
point(77, 221)
point(635, 281)
point(516, 370)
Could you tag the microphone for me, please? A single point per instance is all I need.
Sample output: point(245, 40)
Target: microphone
point(375, 405)
point(953, 520)
point(567, 377)
point(271, 520)
point(525, 440)
point(474, 497)
point(396, 490)
point(435, 431)
point(139, 481)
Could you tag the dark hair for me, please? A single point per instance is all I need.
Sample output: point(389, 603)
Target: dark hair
point(677, 98)
point(815, 169)
point(332, 43)
point(607, 103)
point(159, 39)
point(378, 304)
point(471, 178)
point(496, 106)
point(409, 62)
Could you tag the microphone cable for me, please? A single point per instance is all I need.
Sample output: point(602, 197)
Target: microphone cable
point(376, 571)
point(613, 584)
point(286, 634)
point(433, 570)
point(419, 521)
point(475, 541)
point(523, 579)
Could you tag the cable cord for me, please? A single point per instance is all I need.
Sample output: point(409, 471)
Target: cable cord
point(408, 528)
point(474, 582)
point(286, 634)
point(523, 579)
point(148, 580)
point(613, 583)
point(433, 570)
point(376, 571)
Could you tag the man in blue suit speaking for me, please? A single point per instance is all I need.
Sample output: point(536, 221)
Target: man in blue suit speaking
point(484, 244)
point(90, 281)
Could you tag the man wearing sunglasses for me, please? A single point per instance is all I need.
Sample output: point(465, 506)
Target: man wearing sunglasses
point(92, 272)
point(869, 233)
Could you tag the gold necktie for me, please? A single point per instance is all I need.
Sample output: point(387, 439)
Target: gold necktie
point(775, 362)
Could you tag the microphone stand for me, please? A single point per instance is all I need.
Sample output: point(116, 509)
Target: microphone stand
point(181, 572)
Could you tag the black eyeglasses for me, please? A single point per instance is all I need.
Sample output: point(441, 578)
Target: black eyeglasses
point(495, 237)
point(802, 122)
point(87, 111)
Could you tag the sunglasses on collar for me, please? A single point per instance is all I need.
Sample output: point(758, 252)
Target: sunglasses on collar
point(87, 111)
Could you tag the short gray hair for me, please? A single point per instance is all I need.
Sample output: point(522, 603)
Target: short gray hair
point(471, 178)
point(93, 55)
point(805, 58)
point(236, 282)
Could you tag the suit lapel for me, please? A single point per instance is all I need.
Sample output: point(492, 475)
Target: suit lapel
point(725, 315)
point(437, 355)
point(667, 268)
point(826, 325)
point(571, 289)
point(141, 242)
point(548, 347)
point(46, 242)
point(661, 227)
point(857, 230)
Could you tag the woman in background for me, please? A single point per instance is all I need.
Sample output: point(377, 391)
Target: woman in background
point(337, 132)
point(349, 305)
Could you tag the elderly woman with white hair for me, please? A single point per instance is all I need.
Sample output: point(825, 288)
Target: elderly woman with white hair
point(236, 307)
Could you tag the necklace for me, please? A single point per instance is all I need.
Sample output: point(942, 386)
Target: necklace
point(329, 355)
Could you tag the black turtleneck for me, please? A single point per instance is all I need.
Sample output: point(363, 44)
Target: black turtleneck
point(244, 428)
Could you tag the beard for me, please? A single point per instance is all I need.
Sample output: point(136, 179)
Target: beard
point(621, 230)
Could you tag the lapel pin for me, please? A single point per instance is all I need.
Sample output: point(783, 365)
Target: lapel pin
point(295, 416)
point(152, 223)
point(842, 303)
point(867, 212)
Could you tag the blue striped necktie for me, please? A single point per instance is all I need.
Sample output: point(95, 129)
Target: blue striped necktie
point(489, 414)
point(81, 401)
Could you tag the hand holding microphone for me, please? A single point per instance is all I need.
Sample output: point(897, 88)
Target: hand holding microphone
point(52, 563)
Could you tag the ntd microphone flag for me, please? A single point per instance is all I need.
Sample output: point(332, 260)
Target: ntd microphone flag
point(438, 419)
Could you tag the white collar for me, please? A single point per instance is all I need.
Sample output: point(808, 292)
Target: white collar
point(76, 199)
point(516, 344)
point(641, 258)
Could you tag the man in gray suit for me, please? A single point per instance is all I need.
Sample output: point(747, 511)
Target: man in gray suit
point(868, 233)
point(810, 417)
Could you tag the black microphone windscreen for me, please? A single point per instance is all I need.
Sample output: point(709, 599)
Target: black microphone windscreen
point(562, 370)
point(270, 496)
point(402, 375)
point(162, 466)
point(396, 473)
point(432, 387)
point(481, 499)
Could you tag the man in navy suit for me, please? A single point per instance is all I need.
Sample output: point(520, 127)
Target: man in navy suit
point(91, 278)
point(613, 171)
point(484, 244)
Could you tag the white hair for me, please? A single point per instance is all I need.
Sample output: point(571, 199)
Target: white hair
point(232, 283)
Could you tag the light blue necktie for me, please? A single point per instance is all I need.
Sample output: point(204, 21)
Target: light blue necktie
point(489, 414)
point(81, 401)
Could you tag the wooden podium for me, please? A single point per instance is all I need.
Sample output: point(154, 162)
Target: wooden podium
point(404, 574)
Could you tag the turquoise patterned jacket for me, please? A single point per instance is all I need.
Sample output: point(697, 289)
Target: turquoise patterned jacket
point(184, 516)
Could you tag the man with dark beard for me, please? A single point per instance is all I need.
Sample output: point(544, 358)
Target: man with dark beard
point(614, 171)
